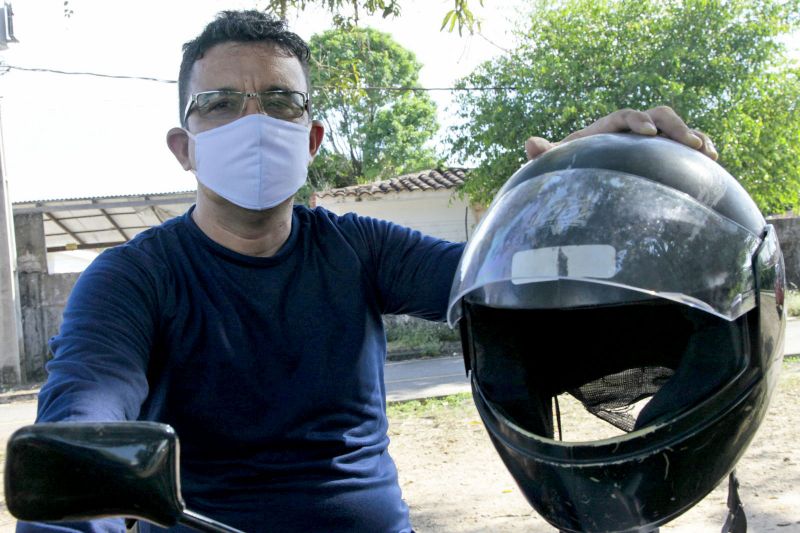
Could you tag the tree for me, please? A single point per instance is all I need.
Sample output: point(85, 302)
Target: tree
point(718, 63)
point(373, 130)
point(346, 13)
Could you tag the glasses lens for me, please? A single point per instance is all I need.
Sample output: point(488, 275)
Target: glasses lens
point(283, 105)
point(219, 105)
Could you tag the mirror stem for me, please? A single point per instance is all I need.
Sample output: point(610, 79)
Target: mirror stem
point(203, 523)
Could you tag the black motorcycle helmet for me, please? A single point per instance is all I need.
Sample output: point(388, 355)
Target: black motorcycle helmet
point(636, 275)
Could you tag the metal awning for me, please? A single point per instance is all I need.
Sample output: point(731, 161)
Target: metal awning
point(94, 223)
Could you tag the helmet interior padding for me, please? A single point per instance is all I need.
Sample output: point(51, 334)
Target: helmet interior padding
point(607, 357)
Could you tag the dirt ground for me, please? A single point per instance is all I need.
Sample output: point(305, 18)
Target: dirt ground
point(454, 482)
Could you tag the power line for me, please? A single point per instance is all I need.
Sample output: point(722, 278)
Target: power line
point(452, 89)
point(324, 87)
point(95, 74)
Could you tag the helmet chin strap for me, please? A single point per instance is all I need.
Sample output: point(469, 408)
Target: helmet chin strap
point(558, 417)
point(736, 521)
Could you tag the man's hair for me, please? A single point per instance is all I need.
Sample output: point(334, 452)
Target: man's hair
point(241, 27)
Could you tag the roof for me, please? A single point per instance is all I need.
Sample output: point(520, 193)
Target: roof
point(93, 223)
point(426, 180)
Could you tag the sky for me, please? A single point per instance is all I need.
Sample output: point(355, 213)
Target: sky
point(81, 136)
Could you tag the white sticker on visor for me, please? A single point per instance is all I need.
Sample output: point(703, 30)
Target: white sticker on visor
point(575, 261)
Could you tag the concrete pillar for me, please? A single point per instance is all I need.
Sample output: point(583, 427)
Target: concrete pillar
point(10, 318)
point(32, 271)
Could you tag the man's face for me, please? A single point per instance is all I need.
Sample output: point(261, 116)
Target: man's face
point(245, 67)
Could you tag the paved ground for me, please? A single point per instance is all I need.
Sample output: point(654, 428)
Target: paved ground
point(425, 378)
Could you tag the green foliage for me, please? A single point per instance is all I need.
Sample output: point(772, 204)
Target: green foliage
point(461, 15)
point(346, 13)
point(716, 62)
point(405, 333)
point(372, 130)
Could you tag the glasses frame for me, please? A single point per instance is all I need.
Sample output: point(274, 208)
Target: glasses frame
point(191, 104)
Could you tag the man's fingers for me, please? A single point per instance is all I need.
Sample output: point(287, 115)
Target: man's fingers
point(658, 120)
point(536, 146)
point(639, 122)
point(708, 147)
point(673, 127)
point(621, 120)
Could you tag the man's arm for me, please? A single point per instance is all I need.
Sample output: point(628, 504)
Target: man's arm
point(661, 120)
point(100, 356)
point(99, 368)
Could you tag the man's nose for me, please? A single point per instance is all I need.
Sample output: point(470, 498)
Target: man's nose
point(252, 105)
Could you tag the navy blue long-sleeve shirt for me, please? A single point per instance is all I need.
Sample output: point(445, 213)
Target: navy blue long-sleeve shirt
point(269, 369)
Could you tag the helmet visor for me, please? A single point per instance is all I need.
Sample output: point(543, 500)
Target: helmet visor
point(637, 237)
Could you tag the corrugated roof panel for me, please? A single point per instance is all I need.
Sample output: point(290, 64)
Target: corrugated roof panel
point(119, 210)
point(134, 220)
point(99, 223)
point(84, 218)
point(51, 228)
point(100, 236)
point(59, 240)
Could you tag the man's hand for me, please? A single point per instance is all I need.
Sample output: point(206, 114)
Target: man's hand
point(661, 120)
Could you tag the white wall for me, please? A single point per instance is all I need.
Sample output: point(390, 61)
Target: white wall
point(436, 213)
point(70, 261)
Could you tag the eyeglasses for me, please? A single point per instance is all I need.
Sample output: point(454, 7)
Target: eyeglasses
point(226, 105)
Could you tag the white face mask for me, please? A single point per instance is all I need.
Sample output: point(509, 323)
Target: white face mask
point(255, 162)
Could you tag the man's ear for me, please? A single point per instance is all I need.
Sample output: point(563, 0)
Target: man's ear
point(178, 142)
point(315, 137)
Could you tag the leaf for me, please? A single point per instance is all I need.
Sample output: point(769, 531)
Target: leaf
point(450, 15)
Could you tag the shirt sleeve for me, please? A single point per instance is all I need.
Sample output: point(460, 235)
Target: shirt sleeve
point(99, 366)
point(413, 272)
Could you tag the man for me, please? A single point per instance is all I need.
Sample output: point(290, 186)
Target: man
point(254, 327)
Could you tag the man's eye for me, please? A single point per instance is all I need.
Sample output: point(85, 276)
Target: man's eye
point(219, 105)
point(276, 103)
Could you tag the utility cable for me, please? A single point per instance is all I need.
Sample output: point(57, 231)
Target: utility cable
point(324, 87)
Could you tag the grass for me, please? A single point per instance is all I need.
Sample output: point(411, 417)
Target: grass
point(428, 405)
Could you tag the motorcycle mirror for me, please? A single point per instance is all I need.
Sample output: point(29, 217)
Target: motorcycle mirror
point(69, 471)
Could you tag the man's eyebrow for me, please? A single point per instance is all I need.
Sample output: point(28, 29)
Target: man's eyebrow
point(277, 88)
point(232, 89)
point(272, 87)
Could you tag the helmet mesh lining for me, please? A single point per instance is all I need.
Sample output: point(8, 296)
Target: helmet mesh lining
point(613, 397)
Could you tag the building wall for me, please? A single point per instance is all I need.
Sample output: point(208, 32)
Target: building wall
point(439, 213)
point(43, 296)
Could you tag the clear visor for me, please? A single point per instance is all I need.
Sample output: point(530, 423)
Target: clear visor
point(610, 229)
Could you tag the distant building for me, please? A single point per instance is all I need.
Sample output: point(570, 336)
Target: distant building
point(426, 201)
point(71, 232)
